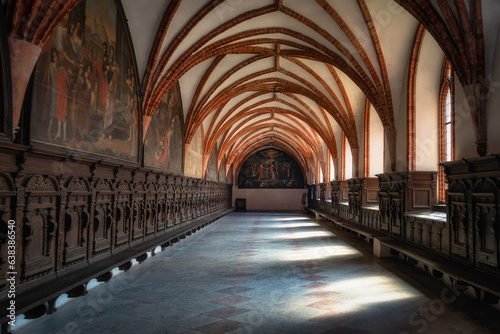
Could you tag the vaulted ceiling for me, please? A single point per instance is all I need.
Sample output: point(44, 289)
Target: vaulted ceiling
point(293, 73)
point(296, 74)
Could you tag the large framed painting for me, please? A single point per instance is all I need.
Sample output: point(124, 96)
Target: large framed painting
point(270, 168)
point(85, 95)
point(163, 145)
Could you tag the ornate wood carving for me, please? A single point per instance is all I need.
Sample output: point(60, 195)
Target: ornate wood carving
point(335, 186)
point(69, 221)
point(473, 212)
point(6, 198)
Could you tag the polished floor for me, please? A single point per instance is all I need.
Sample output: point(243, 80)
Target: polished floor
point(269, 273)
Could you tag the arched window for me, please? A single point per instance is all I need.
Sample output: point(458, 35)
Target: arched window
point(343, 156)
point(446, 127)
point(346, 158)
point(331, 169)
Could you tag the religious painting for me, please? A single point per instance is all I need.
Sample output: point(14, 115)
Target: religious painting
point(85, 87)
point(193, 166)
point(163, 143)
point(270, 168)
point(211, 173)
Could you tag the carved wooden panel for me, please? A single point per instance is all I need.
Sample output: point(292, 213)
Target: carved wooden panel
point(335, 196)
point(422, 198)
point(161, 206)
point(80, 213)
point(75, 230)
point(151, 210)
point(6, 195)
point(104, 217)
point(355, 201)
point(384, 209)
point(460, 225)
point(139, 211)
point(486, 226)
point(124, 213)
point(427, 232)
point(40, 227)
point(396, 208)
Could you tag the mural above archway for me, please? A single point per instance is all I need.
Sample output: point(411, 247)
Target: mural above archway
point(270, 168)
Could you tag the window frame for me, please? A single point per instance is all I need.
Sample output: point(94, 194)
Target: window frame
point(446, 123)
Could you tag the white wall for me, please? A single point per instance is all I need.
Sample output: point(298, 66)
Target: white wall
point(427, 105)
point(348, 161)
point(376, 143)
point(465, 146)
point(270, 199)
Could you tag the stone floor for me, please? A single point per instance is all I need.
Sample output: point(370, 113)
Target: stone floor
point(269, 273)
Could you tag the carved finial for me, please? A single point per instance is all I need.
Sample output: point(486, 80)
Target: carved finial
point(481, 148)
point(21, 160)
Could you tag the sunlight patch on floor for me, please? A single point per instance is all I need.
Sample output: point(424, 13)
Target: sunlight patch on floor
point(361, 293)
point(290, 218)
point(294, 225)
point(304, 235)
point(320, 252)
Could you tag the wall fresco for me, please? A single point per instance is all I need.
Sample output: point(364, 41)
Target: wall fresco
point(163, 144)
point(84, 94)
point(193, 166)
point(270, 168)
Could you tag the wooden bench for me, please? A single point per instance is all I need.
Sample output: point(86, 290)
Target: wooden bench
point(438, 265)
point(385, 246)
point(362, 231)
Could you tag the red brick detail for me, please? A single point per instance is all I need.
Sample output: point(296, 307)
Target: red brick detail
point(317, 52)
point(149, 106)
point(34, 21)
point(377, 101)
point(387, 96)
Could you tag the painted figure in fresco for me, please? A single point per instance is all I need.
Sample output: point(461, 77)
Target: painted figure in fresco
point(62, 102)
point(52, 80)
point(270, 169)
point(84, 91)
point(111, 77)
point(60, 41)
point(101, 79)
point(129, 81)
point(76, 40)
point(165, 144)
